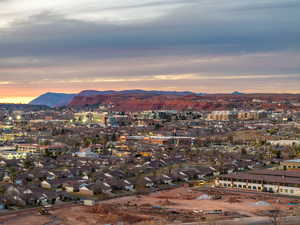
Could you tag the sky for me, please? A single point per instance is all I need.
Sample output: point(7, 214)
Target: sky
point(210, 46)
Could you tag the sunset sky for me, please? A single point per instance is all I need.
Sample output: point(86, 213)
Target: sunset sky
point(195, 45)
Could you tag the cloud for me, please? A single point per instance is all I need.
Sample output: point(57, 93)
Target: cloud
point(155, 4)
point(50, 33)
point(270, 5)
point(166, 77)
point(6, 82)
point(64, 41)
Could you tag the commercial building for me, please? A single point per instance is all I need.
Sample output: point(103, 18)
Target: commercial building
point(290, 164)
point(91, 117)
point(240, 115)
point(278, 181)
point(28, 148)
point(252, 115)
point(159, 139)
point(284, 142)
point(13, 155)
point(222, 115)
point(35, 148)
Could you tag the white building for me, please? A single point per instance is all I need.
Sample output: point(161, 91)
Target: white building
point(285, 142)
point(280, 182)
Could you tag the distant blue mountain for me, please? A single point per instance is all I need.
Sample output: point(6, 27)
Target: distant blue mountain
point(60, 99)
point(237, 93)
point(53, 99)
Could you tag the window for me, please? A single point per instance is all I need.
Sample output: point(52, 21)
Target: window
point(254, 187)
point(292, 191)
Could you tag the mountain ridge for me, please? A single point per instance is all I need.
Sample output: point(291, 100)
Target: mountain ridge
point(53, 99)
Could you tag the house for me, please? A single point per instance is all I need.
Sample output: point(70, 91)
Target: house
point(13, 196)
point(64, 196)
point(20, 179)
point(89, 202)
point(86, 153)
point(180, 176)
point(68, 187)
point(51, 176)
point(128, 186)
point(7, 178)
point(119, 184)
point(148, 182)
point(45, 184)
point(42, 197)
point(101, 188)
point(86, 190)
point(165, 179)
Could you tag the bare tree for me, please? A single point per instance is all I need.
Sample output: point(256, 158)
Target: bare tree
point(275, 217)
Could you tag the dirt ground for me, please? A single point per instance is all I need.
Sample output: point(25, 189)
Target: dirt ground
point(32, 219)
point(162, 207)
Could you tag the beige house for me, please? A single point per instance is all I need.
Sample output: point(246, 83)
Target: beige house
point(45, 184)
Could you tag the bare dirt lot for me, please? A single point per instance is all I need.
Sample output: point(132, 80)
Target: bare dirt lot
point(164, 207)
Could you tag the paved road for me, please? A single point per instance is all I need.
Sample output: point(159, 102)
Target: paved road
point(290, 220)
point(55, 220)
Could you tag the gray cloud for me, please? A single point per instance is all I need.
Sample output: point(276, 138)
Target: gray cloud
point(155, 4)
point(266, 5)
point(213, 32)
point(230, 37)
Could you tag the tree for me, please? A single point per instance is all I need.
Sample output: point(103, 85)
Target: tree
point(157, 126)
point(87, 142)
point(275, 217)
point(28, 163)
point(104, 139)
point(244, 152)
point(230, 139)
point(114, 137)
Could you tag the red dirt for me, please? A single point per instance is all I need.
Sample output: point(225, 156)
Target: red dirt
point(159, 208)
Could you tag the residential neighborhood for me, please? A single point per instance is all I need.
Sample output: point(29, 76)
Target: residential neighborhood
point(56, 156)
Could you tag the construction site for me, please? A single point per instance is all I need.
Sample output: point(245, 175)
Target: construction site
point(176, 206)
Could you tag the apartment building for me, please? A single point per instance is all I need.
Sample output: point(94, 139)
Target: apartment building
point(222, 115)
point(278, 181)
point(290, 164)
